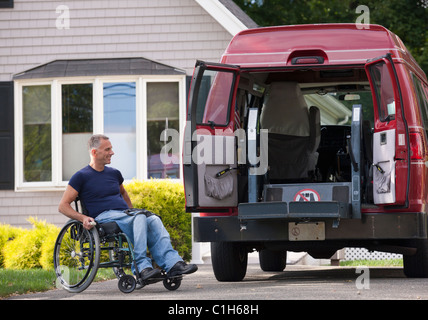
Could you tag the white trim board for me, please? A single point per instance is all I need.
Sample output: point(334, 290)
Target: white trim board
point(222, 15)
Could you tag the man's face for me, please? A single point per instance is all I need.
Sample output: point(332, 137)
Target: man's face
point(104, 152)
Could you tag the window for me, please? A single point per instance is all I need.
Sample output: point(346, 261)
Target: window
point(384, 91)
point(120, 125)
point(336, 106)
point(56, 118)
point(162, 114)
point(213, 105)
point(37, 142)
point(422, 100)
point(77, 126)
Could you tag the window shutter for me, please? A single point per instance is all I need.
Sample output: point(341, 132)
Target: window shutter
point(6, 136)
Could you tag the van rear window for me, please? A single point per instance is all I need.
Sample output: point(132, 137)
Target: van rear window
point(214, 98)
point(384, 91)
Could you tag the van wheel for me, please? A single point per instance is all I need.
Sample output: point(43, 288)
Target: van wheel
point(272, 260)
point(416, 266)
point(229, 261)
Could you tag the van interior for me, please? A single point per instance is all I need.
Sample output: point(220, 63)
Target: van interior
point(308, 115)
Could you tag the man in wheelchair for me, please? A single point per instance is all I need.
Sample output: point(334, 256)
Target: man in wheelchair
point(101, 191)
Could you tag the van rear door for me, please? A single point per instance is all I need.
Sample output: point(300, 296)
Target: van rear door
point(209, 156)
point(391, 156)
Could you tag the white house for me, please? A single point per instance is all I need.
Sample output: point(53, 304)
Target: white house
point(72, 68)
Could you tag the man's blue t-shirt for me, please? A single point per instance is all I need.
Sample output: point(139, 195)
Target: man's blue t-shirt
point(99, 191)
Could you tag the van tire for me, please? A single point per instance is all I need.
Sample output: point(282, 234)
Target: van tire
point(272, 260)
point(229, 261)
point(416, 266)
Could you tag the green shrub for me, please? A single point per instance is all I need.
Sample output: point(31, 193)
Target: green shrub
point(7, 233)
point(166, 199)
point(31, 248)
point(47, 248)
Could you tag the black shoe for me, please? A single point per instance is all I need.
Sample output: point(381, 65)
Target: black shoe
point(182, 268)
point(150, 273)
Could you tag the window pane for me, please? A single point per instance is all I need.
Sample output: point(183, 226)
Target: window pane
point(214, 98)
point(120, 125)
point(384, 91)
point(77, 127)
point(162, 113)
point(37, 133)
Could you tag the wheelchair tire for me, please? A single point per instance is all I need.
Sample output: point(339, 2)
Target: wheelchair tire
point(127, 283)
point(172, 283)
point(76, 256)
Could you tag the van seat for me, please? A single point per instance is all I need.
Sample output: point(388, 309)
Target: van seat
point(294, 132)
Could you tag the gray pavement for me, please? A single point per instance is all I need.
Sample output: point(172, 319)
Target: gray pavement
point(295, 283)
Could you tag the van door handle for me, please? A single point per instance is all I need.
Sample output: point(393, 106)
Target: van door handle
point(378, 167)
point(223, 172)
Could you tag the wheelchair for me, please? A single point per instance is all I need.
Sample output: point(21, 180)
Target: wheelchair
point(78, 253)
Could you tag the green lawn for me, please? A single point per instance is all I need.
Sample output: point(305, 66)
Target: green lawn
point(35, 280)
point(373, 263)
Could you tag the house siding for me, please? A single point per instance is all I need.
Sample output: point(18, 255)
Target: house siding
point(17, 207)
point(169, 31)
point(173, 32)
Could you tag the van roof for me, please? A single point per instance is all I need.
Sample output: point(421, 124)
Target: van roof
point(339, 44)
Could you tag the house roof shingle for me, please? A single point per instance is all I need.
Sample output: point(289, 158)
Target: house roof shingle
point(99, 67)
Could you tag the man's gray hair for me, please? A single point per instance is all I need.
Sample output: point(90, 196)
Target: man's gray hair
point(95, 141)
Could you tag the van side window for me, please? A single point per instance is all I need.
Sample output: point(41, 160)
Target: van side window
point(422, 99)
point(214, 98)
point(384, 91)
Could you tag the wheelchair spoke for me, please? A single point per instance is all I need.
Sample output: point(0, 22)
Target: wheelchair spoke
point(75, 252)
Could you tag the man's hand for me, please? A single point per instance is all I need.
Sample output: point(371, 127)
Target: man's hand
point(88, 222)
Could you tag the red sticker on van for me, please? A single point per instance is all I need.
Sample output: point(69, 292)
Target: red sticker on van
point(307, 195)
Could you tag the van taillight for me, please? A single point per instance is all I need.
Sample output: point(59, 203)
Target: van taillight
point(307, 60)
point(416, 146)
point(311, 56)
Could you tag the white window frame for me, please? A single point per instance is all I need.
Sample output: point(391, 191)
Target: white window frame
point(182, 119)
point(57, 133)
point(98, 122)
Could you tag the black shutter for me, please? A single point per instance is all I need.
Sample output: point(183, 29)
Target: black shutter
point(6, 3)
point(6, 136)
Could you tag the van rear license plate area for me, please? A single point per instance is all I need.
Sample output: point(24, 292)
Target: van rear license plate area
point(306, 231)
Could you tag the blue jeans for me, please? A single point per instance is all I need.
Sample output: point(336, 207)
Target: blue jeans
point(144, 232)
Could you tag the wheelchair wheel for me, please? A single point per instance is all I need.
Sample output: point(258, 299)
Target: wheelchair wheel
point(127, 284)
point(76, 256)
point(172, 283)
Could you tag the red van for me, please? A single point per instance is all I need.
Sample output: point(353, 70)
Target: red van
point(308, 138)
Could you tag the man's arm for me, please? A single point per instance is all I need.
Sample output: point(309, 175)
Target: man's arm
point(125, 196)
point(70, 194)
